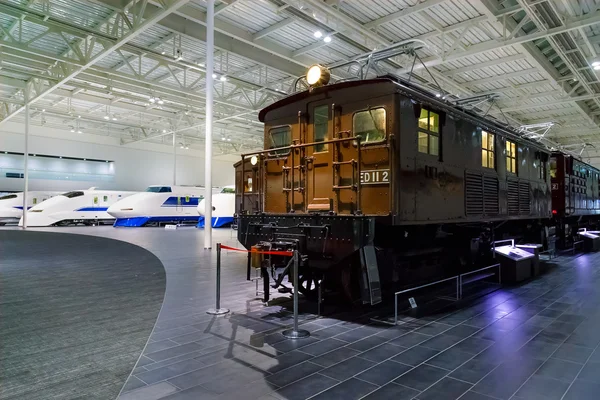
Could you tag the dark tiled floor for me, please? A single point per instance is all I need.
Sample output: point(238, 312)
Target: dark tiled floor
point(538, 340)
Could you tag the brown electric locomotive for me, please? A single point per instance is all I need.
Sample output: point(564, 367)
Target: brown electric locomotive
point(380, 184)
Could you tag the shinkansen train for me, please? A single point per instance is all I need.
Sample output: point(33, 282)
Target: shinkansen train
point(11, 204)
point(159, 204)
point(380, 185)
point(79, 207)
point(223, 208)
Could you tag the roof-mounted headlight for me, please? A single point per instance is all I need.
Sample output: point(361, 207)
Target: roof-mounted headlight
point(317, 75)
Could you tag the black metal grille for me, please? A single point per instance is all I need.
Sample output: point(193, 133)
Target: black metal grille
point(513, 197)
point(473, 194)
point(490, 195)
point(524, 198)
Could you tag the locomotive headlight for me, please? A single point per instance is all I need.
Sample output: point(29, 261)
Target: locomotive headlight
point(318, 75)
point(253, 160)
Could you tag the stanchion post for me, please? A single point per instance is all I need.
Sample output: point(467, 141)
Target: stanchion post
point(218, 310)
point(296, 333)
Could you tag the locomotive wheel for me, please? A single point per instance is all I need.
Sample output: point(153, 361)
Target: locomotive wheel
point(309, 285)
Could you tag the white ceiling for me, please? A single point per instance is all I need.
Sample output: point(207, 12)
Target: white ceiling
point(79, 62)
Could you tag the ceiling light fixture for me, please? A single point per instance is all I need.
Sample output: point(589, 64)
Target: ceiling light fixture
point(229, 139)
point(595, 63)
point(164, 131)
point(79, 116)
point(327, 39)
point(223, 139)
point(223, 78)
point(214, 76)
point(114, 118)
point(151, 99)
point(187, 147)
point(72, 130)
point(318, 34)
point(160, 102)
point(43, 110)
point(106, 117)
point(438, 95)
point(79, 131)
point(597, 67)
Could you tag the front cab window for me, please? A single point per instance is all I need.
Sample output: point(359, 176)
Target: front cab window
point(369, 125)
point(280, 136)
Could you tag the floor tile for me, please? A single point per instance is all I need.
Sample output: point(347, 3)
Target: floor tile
point(583, 390)
point(473, 370)
point(571, 352)
point(503, 381)
point(193, 393)
point(347, 368)
point(321, 347)
point(330, 331)
point(446, 389)
point(462, 331)
point(367, 343)
point(284, 361)
point(542, 388)
point(335, 356)
point(382, 352)
point(384, 372)
point(295, 373)
point(473, 345)
point(539, 349)
point(347, 390)
point(173, 351)
point(559, 369)
point(590, 372)
point(410, 339)
point(152, 392)
point(415, 355)
point(392, 391)
point(441, 342)
point(434, 328)
point(450, 359)
point(306, 387)
point(421, 377)
point(162, 374)
point(470, 395)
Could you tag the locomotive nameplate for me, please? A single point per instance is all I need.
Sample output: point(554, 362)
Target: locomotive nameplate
point(375, 177)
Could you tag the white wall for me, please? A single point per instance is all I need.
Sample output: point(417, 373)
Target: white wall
point(136, 166)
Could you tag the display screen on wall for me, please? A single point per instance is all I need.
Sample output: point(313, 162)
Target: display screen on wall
point(56, 168)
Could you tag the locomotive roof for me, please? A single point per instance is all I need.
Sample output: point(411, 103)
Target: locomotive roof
point(410, 91)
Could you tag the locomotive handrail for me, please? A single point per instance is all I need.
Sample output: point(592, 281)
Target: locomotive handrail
point(297, 146)
point(355, 179)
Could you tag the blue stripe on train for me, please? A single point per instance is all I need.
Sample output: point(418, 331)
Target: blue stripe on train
point(175, 201)
point(92, 209)
point(21, 207)
point(141, 221)
point(217, 222)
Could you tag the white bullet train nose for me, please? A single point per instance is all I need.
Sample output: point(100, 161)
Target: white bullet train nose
point(126, 208)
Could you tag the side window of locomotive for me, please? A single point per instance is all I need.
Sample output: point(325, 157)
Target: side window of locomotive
point(553, 167)
point(280, 137)
point(429, 132)
point(369, 125)
point(488, 159)
point(321, 126)
point(511, 156)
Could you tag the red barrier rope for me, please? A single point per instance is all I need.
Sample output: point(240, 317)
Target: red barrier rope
point(277, 253)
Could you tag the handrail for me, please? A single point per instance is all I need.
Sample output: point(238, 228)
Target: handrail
point(296, 146)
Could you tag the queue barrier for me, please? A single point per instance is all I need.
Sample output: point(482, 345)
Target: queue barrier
point(295, 332)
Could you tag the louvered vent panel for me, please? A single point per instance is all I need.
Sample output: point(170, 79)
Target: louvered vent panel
point(490, 195)
point(473, 194)
point(513, 197)
point(524, 198)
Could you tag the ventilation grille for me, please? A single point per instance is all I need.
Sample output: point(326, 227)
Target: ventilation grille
point(513, 197)
point(481, 194)
point(490, 195)
point(473, 194)
point(524, 198)
point(519, 198)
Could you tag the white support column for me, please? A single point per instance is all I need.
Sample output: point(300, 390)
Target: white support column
point(26, 161)
point(210, 52)
point(174, 159)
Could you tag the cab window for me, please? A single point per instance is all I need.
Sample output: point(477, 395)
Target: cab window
point(280, 137)
point(553, 167)
point(511, 156)
point(429, 132)
point(369, 125)
point(159, 189)
point(8, 197)
point(487, 150)
point(321, 127)
point(71, 195)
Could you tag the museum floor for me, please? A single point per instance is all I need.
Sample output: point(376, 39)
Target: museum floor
point(77, 311)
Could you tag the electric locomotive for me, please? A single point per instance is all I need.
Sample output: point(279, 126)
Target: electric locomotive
point(378, 183)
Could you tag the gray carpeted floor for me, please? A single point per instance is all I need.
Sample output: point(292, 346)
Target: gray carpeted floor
point(75, 314)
